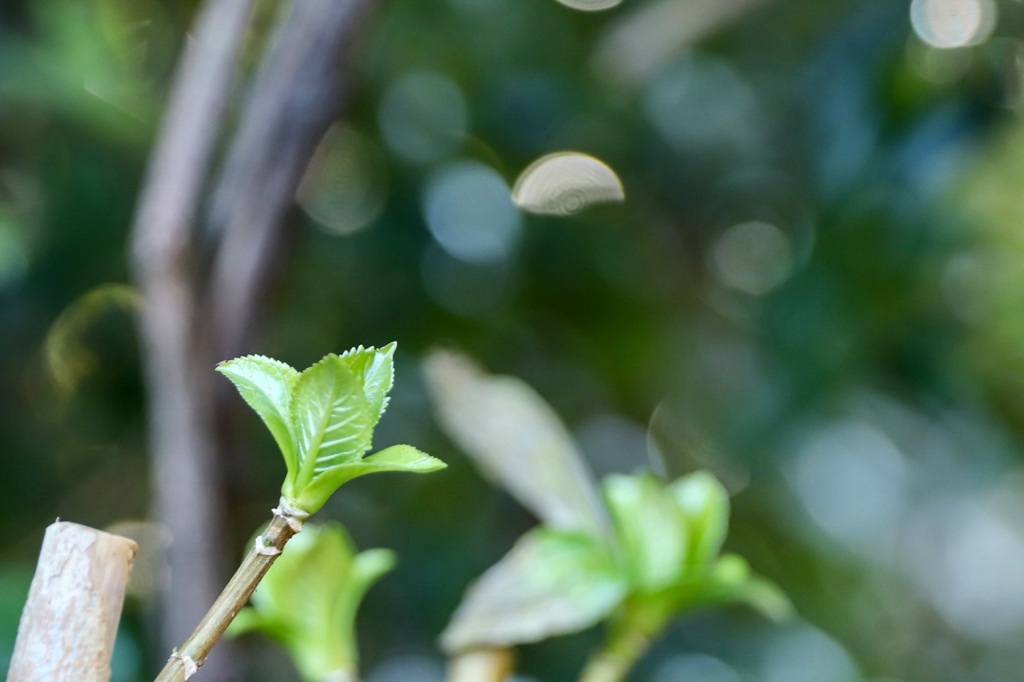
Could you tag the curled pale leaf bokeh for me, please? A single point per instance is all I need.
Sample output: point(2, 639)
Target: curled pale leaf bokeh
point(69, 358)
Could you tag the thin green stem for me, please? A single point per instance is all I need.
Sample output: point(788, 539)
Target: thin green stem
point(191, 655)
point(630, 638)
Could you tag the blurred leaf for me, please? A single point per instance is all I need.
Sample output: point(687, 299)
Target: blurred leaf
point(730, 581)
point(651, 529)
point(661, 562)
point(670, 537)
point(309, 599)
point(705, 505)
point(76, 68)
point(551, 583)
point(763, 596)
point(517, 440)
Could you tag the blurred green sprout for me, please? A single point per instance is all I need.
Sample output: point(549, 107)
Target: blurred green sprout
point(637, 553)
point(308, 601)
point(668, 539)
point(323, 419)
point(661, 561)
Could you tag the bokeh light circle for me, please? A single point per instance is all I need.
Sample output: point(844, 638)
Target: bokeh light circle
point(953, 23)
point(753, 258)
point(469, 211)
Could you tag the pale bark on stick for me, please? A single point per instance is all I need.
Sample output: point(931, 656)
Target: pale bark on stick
point(69, 623)
point(298, 92)
point(185, 481)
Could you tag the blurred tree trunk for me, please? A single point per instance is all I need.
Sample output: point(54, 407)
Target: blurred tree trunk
point(297, 93)
point(185, 486)
point(185, 328)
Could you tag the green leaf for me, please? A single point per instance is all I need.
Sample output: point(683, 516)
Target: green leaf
point(402, 458)
point(670, 536)
point(366, 569)
point(705, 505)
point(267, 385)
point(323, 419)
point(331, 420)
point(395, 458)
point(517, 440)
point(651, 530)
point(375, 370)
point(309, 598)
point(551, 583)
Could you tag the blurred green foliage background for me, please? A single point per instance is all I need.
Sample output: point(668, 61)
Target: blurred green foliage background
point(815, 288)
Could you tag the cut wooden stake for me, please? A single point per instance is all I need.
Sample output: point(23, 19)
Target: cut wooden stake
point(69, 624)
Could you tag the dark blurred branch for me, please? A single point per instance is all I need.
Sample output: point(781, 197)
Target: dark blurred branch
point(185, 488)
point(298, 92)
